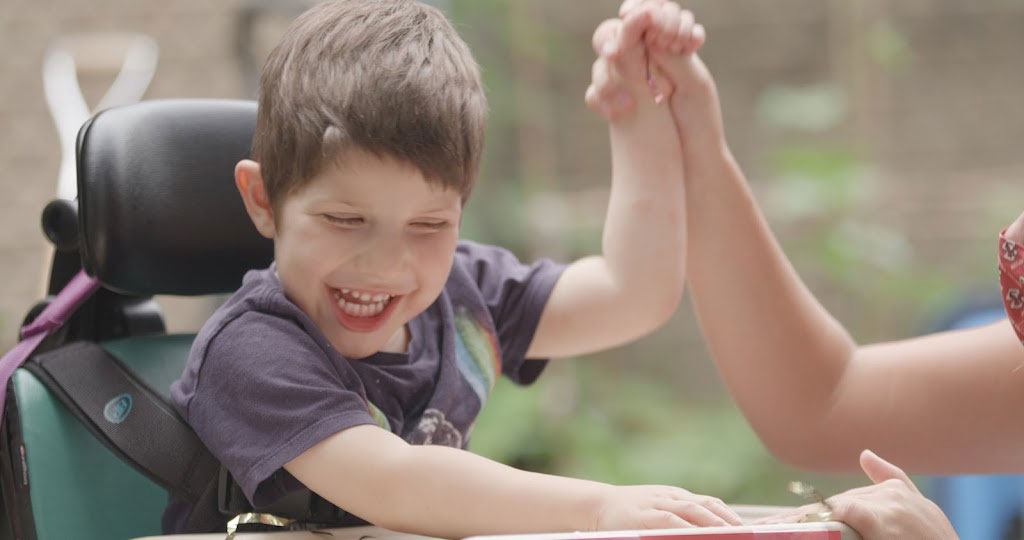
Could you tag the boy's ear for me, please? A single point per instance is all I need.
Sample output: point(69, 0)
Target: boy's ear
point(250, 186)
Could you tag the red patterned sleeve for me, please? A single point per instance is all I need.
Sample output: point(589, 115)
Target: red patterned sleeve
point(1011, 281)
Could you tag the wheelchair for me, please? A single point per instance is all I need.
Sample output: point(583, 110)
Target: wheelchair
point(157, 214)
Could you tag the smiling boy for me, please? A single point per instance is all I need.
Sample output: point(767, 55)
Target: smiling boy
point(356, 364)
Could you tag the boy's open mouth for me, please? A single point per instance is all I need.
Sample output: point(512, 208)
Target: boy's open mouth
point(362, 311)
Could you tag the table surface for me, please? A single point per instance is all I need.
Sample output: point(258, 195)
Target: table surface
point(798, 531)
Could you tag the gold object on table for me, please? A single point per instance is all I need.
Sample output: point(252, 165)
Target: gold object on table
point(264, 519)
point(810, 493)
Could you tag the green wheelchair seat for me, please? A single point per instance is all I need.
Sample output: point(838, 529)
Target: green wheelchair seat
point(77, 487)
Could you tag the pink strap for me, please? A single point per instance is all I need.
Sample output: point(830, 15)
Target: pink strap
point(67, 301)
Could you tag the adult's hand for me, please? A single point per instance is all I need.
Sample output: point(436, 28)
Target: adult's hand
point(890, 509)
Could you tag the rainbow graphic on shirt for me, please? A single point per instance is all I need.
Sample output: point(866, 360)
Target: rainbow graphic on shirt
point(476, 352)
point(378, 416)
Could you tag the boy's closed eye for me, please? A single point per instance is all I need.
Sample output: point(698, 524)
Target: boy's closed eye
point(344, 221)
point(431, 225)
point(426, 225)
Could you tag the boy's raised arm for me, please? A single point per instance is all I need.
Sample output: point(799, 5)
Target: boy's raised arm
point(636, 284)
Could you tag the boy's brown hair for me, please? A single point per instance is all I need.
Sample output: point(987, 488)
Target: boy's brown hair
point(390, 77)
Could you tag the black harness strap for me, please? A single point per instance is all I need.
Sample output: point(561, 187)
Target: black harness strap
point(128, 417)
point(139, 426)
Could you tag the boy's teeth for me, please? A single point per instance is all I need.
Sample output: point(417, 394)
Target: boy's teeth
point(361, 310)
point(363, 296)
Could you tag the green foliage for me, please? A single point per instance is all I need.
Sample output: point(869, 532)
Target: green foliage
point(888, 46)
point(633, 430)
point(819, 200)
point(813, 108)
point(815, 181)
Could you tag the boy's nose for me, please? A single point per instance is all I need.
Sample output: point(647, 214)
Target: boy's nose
point(383, 258)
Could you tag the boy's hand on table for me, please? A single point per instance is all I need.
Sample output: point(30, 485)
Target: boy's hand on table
point(660, 507)
point(891, 508)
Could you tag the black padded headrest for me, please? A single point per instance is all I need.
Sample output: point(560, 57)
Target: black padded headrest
point(158, 208)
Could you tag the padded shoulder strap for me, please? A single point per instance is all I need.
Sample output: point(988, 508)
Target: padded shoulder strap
point(140, 427)
point(128, 417)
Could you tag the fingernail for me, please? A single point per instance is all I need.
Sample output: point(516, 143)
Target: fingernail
point(655, 91)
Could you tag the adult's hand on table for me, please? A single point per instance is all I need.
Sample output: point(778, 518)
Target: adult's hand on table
point(890, 509)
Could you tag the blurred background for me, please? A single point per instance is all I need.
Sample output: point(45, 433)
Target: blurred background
point(882, 138)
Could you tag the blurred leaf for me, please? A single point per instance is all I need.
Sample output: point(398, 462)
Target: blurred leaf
point(812, 108)
point(888, 46)
point(814, 181)
point(856, 244)
point(510, 417)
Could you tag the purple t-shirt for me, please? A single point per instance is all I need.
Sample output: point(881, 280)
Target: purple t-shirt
point(263, 384)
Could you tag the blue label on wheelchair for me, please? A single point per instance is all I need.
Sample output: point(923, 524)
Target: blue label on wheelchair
point(118, 408)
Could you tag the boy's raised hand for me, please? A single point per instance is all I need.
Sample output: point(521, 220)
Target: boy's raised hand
point(660, 507)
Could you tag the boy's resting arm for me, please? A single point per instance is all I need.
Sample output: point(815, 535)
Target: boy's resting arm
point(941, 403)
point(451, 493)
point(438, 490)
point(637, 282)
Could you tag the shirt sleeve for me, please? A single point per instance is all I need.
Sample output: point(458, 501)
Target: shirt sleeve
point(515, 294)
point(266, 393)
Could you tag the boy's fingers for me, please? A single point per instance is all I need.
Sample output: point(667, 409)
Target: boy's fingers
point(609, 108)
point(606, 35)
point(604, 96)
point(697, 38)
point(663, 519)
point(599, 77)
point(684, 32)
point(599, 80)
point(593, 102)
point(634, 26)
point(880, 470)
point(723, 511)
point(692, 512)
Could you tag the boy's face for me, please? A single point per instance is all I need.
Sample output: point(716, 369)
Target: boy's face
point(364, 247)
